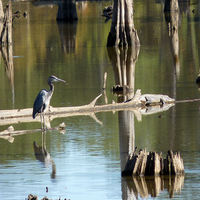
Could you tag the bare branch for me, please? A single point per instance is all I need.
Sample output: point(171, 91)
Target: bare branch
point(92, 104)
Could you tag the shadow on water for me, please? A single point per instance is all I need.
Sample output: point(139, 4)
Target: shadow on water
point(123, 63)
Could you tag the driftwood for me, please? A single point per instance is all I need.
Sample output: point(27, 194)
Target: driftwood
point(10, 132)
point(150, 163)
point(140, 105)
point(139, 101)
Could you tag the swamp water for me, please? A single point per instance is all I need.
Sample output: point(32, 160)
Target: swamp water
point(88, 157)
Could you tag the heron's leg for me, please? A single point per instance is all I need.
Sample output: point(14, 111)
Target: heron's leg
point(42, 138)
point(44, 122)
point(41, 121)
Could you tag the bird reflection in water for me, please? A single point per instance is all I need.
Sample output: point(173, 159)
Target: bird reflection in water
point(43, 155)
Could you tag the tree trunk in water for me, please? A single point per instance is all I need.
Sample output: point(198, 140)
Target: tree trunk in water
point(67, 11)
point(171, 6)
point(122, 31)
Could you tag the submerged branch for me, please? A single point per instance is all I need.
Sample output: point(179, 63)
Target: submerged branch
point(10, 132)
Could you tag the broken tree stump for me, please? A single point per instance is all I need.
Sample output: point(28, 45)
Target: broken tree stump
point(151, 164)
point(171, 6)
point(173, 164)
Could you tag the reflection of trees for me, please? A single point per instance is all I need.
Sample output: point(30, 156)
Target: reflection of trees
point(67, 23)
point(68, 36)
point(173, 11)
point(123, 62)
point(172, 21)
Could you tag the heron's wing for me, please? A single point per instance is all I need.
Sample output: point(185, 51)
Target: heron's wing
point(39, 104)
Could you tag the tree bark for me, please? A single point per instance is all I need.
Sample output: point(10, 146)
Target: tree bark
point(123, 32)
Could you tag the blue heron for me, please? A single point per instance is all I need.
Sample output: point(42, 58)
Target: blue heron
point(43, 98)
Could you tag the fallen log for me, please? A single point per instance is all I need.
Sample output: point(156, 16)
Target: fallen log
point(151, 164)
point(140, 105)
point(136, 102)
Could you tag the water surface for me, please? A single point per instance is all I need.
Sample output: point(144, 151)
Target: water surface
point(89, 157)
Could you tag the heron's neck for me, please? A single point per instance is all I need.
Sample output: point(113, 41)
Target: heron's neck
point(51, 89)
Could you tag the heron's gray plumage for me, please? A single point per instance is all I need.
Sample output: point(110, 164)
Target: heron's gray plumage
point(44, 97)
point(39, 104)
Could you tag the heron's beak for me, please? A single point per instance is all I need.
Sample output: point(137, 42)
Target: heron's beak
point(61, 80)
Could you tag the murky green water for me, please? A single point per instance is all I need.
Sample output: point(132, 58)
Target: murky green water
point(89, 157)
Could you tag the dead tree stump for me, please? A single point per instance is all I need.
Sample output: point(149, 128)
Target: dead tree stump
point(151, 164)
point(6, 25)
point(171, 6)
point(130, 164)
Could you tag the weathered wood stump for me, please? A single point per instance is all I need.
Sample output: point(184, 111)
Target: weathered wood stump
point(151, 164)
